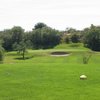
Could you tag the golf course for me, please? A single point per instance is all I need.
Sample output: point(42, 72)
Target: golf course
point(49, 49)
point(41, 76)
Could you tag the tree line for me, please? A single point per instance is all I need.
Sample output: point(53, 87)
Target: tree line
point(41, 37)
point(44, 37)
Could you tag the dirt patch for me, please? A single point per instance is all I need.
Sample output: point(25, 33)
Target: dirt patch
point(60, 53)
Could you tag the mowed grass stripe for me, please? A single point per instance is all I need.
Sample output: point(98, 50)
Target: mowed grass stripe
point(49, 81)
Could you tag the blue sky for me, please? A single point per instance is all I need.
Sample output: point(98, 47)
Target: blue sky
point(58, 14)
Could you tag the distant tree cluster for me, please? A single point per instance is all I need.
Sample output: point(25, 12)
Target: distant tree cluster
point(41, 37)
point(89, 36)
point(71, 36)
point(44, 37)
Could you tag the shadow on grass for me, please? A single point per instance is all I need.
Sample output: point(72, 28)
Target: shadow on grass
point(26, 58)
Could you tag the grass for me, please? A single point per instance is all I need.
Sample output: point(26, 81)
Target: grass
point(44, 77)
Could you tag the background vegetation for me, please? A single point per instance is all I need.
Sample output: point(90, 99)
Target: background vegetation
point(44, 37)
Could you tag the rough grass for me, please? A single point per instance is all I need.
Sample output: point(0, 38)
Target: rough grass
point(43, 77)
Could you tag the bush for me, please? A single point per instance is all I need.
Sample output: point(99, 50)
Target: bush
point(92, 38)
point(67, 40)
point(1, 55)
point(86, 58)
point(75, 38)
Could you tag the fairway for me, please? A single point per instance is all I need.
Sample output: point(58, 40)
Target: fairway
point(43, 77)
point(49, 50)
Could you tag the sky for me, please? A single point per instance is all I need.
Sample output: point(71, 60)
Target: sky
point(58, 14)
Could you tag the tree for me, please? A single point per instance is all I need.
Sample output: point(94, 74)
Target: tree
point(21, 47)
point(6, 38)
point(50, 37)
point(40, 25)
point(10, 36)
point(45, 38)
point(17, 34)
point(36, 39)
point(71, 30)
point(67, 39)
point(92, 38)
point(75, 38)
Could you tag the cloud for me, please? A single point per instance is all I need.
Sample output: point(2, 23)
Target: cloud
point(56, 13)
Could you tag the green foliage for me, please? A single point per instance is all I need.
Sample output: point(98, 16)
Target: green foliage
point(75, 38)
point(92, 38)
point(36, 39)
point(45, 38)
point(65, 38)
point(50, 38)
point(7, 39)
point(41, 37)
point(11, 36)
point(71, 30)
point(86, 58)
point(21, 48)
point(1, 54)
point(40, 25)
point(17, 34)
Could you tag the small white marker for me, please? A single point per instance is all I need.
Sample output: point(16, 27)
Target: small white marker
point(83, 77)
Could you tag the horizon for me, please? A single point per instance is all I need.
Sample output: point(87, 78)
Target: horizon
point(58, 14)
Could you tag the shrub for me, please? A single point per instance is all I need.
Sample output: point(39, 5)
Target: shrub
point(86, 58)
point(75, 38)
point(92, 38)
point(67, 40)
point(1, 55)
